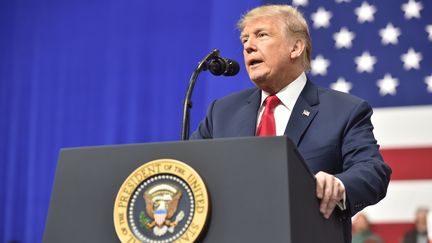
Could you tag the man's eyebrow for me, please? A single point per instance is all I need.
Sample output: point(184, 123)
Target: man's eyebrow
point(243, 35)
point(259, 29)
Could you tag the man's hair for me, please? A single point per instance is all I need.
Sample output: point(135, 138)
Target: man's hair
point(421, 210)
point(295, 24)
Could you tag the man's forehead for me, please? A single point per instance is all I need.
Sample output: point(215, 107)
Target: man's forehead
point(259, 23)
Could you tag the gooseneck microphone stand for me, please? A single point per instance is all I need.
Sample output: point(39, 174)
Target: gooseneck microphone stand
point(187, 104)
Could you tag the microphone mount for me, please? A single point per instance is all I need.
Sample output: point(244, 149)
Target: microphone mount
point(217, 66)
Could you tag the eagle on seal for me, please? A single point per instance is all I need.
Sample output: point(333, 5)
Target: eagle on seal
point(161, 204)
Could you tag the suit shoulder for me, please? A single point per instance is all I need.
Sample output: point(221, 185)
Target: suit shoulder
point(339, 97)
point(238, 96)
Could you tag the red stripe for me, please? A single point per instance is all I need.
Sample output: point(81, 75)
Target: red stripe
point(392, 233)
point(409, 164)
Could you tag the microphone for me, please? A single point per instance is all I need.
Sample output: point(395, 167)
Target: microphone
point(223, 66)
point(217, 66)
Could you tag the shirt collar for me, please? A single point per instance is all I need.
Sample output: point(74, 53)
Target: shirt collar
point(289, 94)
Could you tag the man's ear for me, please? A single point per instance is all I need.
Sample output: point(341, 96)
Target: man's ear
point(297, 49)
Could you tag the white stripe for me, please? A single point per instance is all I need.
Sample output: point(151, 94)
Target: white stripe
point(403, 126)
point(402, 200)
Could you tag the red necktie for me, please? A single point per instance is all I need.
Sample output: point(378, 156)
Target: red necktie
point(267, 125)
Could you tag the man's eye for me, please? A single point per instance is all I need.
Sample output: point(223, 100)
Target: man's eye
point(262, 34)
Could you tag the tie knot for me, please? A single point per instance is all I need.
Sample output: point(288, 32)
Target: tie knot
point(272, 101)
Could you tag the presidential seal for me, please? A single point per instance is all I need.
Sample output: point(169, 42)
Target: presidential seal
point(162, 201)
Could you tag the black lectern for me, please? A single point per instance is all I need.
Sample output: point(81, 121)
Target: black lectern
point(260, 190)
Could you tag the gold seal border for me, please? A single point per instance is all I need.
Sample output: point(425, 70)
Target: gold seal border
point(156, 167)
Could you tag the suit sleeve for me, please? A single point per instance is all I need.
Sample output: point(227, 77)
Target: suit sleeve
point(365, 175)
point(205, 128)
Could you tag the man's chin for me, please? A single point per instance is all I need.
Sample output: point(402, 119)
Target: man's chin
point(258, 81)
point(257, 78)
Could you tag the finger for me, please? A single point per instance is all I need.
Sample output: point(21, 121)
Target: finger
point(334, 199)
point(330, 208)
point(337, 191)
point(319, 185)
point(328, 190)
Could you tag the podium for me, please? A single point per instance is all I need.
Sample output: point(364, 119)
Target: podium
point(260, 190)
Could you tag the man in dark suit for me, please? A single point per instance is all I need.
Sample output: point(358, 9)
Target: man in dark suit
point(332, 130)
point(419, 234)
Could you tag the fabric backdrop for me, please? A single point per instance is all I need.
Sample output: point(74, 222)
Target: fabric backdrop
point(92, 72)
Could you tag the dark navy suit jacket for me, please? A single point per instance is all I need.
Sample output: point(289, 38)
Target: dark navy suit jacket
point(335, 137)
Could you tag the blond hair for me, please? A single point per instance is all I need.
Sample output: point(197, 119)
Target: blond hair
point(295, 24)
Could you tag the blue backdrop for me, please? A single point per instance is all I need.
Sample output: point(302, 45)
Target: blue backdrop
point(99, 72)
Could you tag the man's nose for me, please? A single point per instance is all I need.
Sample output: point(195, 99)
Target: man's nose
point(249, 46)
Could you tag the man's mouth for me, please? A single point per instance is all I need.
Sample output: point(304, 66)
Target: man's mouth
point(254, 62)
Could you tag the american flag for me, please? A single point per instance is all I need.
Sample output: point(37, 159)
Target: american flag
point(382, 51)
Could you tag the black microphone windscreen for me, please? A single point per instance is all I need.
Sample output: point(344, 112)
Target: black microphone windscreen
point(232, 68)
point(223, 66)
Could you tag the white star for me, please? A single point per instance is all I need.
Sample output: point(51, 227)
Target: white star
point(343, 38)
point(341, 1)
point(365, 12)
point(300, 2)
point(411, 59)
point(387, 85)
point(319, 65)
point(321, 18)
point(341, 85)
point(412, 9)
point(429, 31)
point(365, 62)
point(389, 35)
point(428, 81)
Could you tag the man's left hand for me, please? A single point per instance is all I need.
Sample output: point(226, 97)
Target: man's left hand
point(330, 191)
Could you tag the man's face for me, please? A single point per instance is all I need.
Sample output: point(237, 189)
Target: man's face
point(360, 223)
point(421, 221)
point(267, 53)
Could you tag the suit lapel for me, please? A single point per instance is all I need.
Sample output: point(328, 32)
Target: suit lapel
point(248, 114)
point(303, 113)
